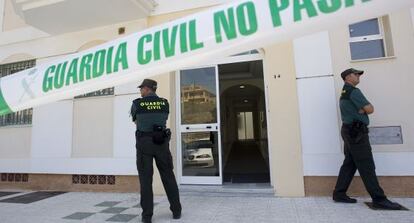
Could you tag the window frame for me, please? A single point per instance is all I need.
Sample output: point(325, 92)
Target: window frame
point(360, 39)
point(99, 93)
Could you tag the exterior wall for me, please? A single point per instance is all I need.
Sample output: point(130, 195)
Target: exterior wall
point(40, 150)
point(123, 127)
point(52, 126)
point(323, 54)
point(285, 152)
point(63, 182)
point(165, 6)
point(387, 84)
point(160, 19)
point(11, 20)
point(108, 148)
point(318, 104)
point(15, 142)
point(2, 4)
point(92, 127)
point(61, 139)
point(46, 47)
point(284, 145)
point(394, 186)
point(412, 15)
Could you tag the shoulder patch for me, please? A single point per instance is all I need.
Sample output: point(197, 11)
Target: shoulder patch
point(346, 92)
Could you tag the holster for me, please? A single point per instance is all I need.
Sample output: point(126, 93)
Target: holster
point(160, 135)
point(357, 130)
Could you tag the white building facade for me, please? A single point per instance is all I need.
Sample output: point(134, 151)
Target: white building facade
point(274, 108)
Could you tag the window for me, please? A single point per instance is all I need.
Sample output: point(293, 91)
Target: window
point(250, 52)
point(22, 117)
point(371, 39)
point(103, 92)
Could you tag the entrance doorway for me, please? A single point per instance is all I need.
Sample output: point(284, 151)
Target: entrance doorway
point(243, 123)
point(221, 123)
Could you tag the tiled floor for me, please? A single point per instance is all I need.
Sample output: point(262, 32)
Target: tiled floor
point(31, 197)
point(122, 207)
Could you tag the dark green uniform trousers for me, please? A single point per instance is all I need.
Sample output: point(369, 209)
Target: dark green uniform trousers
point(147, 151)
point(358, 156)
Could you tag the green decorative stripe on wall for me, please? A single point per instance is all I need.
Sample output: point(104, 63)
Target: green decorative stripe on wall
point(4, 108)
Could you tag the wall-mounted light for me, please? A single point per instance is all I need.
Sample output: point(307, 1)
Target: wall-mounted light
point(242, 87)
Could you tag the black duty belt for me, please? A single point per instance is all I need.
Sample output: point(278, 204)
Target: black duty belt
point(145, 134)
point(357, 126)
point(350, 125)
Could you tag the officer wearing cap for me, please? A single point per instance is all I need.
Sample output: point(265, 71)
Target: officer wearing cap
point(355, 109)
point(150, 114)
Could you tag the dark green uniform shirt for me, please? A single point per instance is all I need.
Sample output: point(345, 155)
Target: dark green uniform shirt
point(352, 100)
point(149, 111)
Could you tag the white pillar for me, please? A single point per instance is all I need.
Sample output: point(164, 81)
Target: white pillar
point(317, 104)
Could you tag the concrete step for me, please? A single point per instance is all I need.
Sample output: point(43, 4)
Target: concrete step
point(228, 190)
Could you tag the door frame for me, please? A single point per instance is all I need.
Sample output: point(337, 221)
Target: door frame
point(216, 62)
point(207, 180)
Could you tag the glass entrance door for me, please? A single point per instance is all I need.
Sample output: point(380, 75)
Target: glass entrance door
point(199, 146)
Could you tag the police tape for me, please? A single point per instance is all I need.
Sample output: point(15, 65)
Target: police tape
point(215, 33)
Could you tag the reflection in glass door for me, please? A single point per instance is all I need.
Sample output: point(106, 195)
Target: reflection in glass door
point(200, 147)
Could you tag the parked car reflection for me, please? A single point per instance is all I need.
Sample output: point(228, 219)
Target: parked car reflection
point(199, 153)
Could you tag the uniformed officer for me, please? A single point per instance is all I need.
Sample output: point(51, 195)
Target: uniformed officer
point(150, 113)
point(355, 109)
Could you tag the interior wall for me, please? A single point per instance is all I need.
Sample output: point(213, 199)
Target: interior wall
point(229, 111)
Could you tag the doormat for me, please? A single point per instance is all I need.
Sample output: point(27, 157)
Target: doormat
point(250, 178)
point(371, 206)
point(32, 197)
point(5, 193)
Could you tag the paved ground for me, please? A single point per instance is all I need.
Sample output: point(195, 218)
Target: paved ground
point(122, 207)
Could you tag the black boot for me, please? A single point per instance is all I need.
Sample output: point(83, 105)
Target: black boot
point(343, 199)
point(386, 204)
point(177, 215)
point(146, 220)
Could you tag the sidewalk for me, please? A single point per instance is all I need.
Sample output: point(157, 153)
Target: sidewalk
point(122, 207)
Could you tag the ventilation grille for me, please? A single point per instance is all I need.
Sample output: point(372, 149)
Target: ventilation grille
point(94, 179)
point(15, 177)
